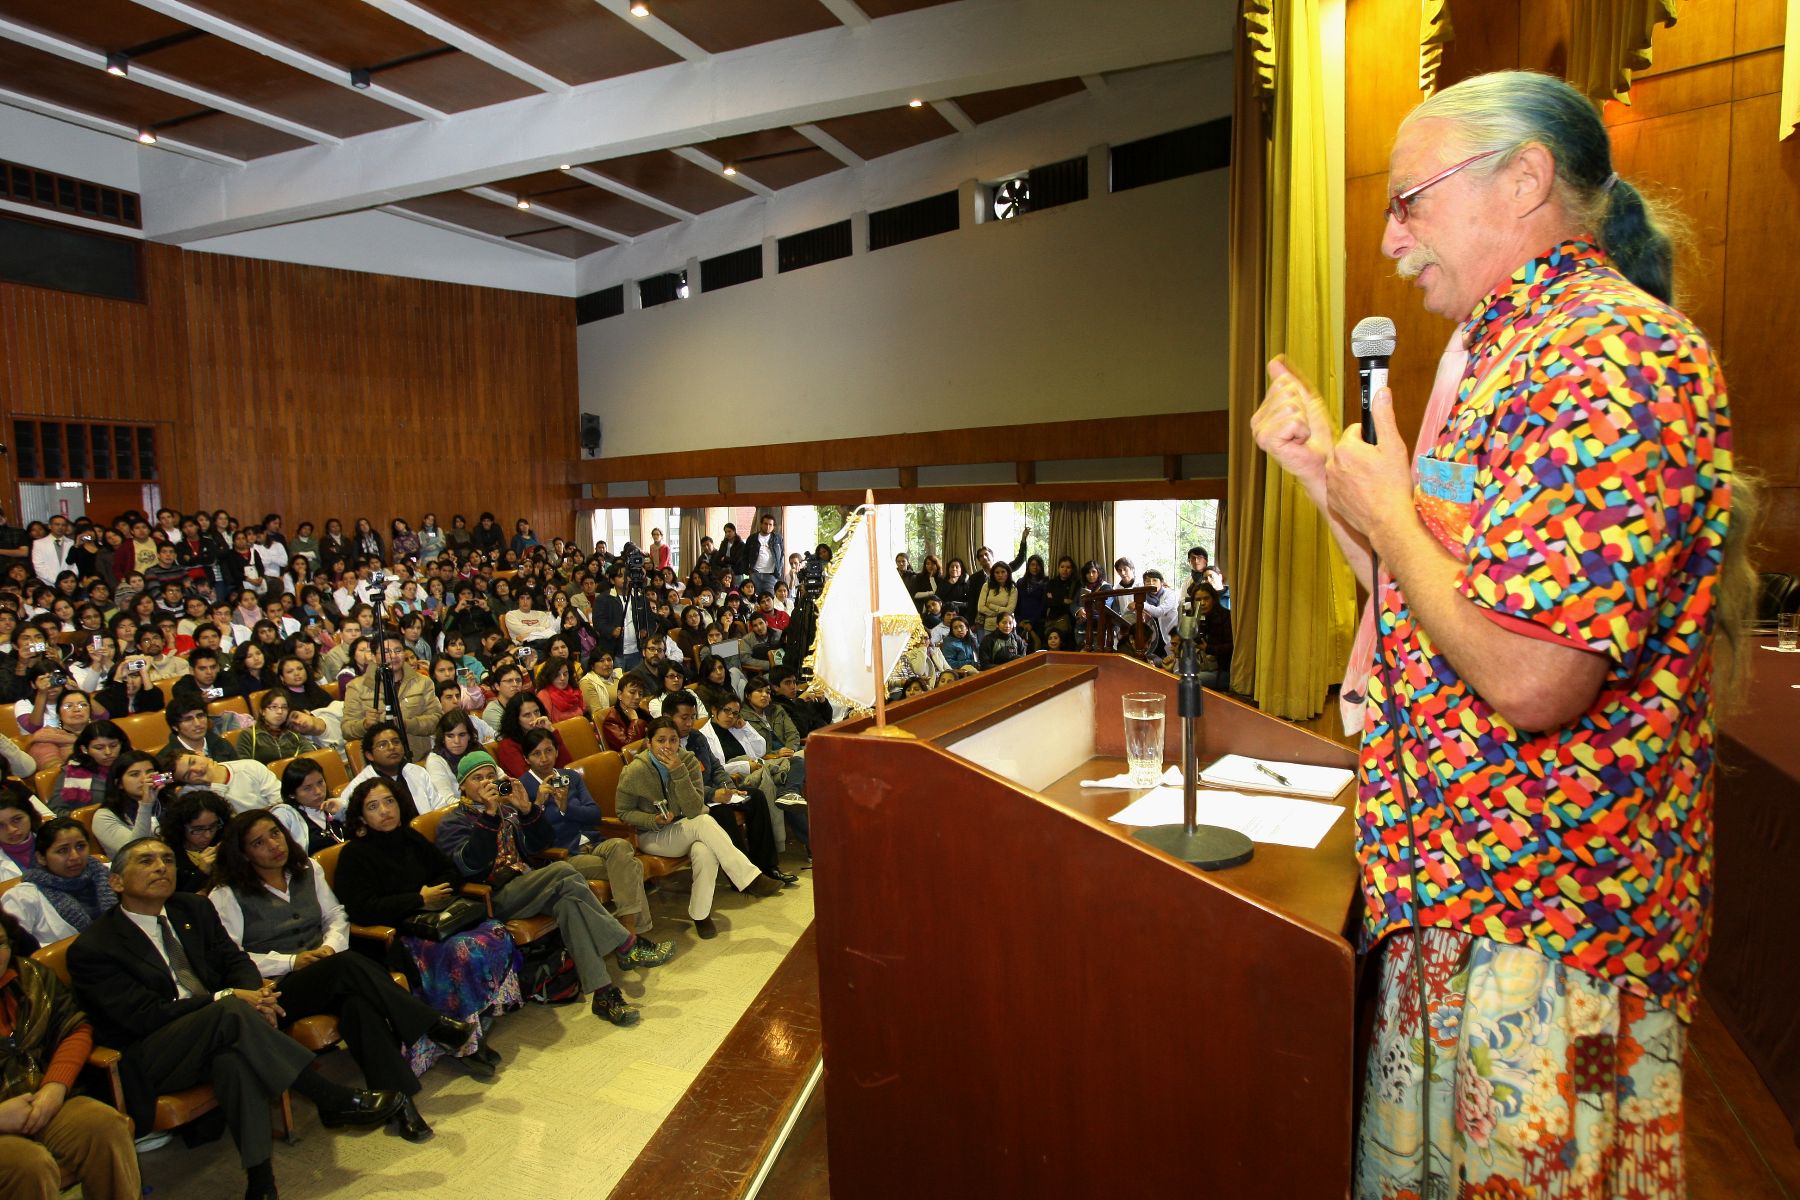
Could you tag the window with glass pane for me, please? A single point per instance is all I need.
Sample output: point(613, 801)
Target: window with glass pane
point(799, 528)
point(924, 532)
point(1159, 533)
point(1001, 525)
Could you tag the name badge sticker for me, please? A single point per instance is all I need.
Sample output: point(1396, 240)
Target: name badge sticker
point(1445, 498)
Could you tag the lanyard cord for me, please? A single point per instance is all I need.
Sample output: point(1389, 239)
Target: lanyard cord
point(1392, 715)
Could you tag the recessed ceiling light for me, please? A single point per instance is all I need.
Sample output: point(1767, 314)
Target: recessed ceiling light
point(730, 170)
point(640, 11)
point(117, 64)
point(915, 104)
point(523, 203)
point(146, 137)
point(565, 166)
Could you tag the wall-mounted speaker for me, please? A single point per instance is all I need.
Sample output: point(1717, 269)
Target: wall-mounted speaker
point(590, 434)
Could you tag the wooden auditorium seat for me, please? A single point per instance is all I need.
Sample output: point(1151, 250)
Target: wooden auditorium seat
point(578, 737)
point(336, 780)
point(601, 774)
point(85, 815)
point(230, 704)
point(148, 732)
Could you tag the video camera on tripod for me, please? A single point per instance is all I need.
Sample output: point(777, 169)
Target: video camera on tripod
point(637, 573)
point(812, 575)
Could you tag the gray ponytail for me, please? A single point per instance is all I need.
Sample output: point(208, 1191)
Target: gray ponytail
point(1506, 110)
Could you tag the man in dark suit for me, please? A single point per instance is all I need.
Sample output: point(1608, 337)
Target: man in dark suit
point(167, 987)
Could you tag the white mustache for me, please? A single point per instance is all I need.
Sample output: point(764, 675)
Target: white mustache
point(1414, 261)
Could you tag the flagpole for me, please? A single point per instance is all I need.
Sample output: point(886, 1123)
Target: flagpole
point(875, 613)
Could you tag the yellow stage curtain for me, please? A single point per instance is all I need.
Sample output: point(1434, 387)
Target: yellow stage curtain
point(1608, 40)
point(1790, 73)
point(1435, 32)
point(1293, 597)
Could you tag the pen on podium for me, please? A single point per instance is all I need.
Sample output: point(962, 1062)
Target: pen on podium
point(1277, 776)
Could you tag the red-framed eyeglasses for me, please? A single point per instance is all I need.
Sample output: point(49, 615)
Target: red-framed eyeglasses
point(1399, 205)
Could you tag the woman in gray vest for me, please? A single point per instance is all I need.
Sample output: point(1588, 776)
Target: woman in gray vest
point(278, 907)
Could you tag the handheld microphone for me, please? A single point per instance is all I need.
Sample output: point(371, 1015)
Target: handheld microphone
point(1372, 341)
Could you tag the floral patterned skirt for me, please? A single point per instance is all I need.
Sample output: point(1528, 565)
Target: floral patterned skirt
point(1545, 1083)
point(472, 974)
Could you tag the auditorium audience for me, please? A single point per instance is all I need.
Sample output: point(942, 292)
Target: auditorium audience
point(480, 641)
point(192, 824)
point(574, 814)
point(269, 738)
point(492, 836)
point(663, 795)
point(46, 1133)
point(389, 873)
point(83, 778)
point(66, 889)
point(197, 1012)
point(273, 901)
point(311, 815)
point(130, 808)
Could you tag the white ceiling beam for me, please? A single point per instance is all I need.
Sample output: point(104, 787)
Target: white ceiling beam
point(149, 77)
point(630, 193)
point(946, 50)
point(548, 211)
point(75, 116)
point(830, 145)
point(656, 29)
point(952, 112)
point(478, 235)
point(706, 161)
point(847, 11)
point(451, 34)
point(268, 47)
point(1093, 83)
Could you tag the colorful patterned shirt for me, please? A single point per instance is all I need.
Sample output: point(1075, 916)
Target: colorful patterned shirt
point(1584, 479)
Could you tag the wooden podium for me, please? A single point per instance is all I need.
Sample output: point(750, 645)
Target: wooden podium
point(1019, 999)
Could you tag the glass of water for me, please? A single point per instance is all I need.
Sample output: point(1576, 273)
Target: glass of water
point(1144, 738)
point(1787, 631)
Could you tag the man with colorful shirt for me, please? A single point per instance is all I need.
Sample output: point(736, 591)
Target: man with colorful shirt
point(1539, 715)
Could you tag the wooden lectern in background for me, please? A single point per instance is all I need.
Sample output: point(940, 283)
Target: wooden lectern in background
point(1019, 999)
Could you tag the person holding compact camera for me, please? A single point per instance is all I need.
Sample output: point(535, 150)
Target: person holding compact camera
point(492, 836)
point(128, 688)
point(573, 812)
point(131, 807)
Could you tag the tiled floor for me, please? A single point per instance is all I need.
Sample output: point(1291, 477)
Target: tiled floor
point(576, 1101)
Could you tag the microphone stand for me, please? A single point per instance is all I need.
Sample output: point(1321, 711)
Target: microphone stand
point(1209, 847)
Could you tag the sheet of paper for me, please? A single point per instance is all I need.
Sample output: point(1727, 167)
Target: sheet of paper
point(1244, 774)
point(1276, 820)
point(1172, 777)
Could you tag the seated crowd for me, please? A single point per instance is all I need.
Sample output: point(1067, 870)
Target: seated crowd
point(198, 894)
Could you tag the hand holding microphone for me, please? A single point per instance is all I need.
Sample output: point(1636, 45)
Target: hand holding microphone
point(1369, 476)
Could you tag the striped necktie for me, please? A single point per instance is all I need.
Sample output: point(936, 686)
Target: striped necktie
point(178, 959)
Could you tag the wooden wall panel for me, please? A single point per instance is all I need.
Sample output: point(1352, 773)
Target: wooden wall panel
point(1105, 437)
point(69, 355)
point(314, 392)
point(1700, 132)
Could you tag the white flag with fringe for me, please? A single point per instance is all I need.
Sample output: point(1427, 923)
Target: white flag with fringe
point(843, 655)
